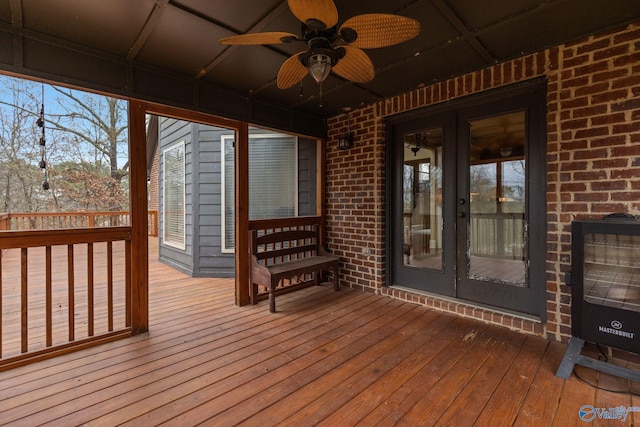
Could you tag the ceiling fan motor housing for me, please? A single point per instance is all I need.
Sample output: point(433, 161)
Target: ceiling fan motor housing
point(321, 46)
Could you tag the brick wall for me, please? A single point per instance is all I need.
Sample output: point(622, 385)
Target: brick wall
point(593, 163)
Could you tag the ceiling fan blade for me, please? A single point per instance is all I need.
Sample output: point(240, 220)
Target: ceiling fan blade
point(258, 38)
point(356, 66)
point(311, 11)
point(381, 30)
point(291, 72)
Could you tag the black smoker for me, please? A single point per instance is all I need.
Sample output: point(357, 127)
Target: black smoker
point(605, 291)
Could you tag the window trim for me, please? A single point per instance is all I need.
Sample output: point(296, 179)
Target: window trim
point(178, 245)
point(223, 199)
point(223, 139)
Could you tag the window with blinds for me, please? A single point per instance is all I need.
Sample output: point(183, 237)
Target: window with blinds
point(273, 180)
point(174, 196)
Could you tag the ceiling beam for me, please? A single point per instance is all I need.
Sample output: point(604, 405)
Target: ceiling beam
point(15, 7)
point(147, 29)
point(258, 26)
point(464, 31)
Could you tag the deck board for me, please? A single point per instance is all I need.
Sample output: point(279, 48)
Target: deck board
point(326, 358)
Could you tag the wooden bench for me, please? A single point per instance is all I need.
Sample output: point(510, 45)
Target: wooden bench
point(282, 255)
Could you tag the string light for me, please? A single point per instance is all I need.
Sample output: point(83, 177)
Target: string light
point(43, 145)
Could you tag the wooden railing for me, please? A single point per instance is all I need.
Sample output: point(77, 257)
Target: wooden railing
point(283, 224)
point(60, 220)
point(61, 290)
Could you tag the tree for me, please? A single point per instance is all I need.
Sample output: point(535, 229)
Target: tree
point(97, 126)
point(86, 149)
point(20, 177)
point(85, 186)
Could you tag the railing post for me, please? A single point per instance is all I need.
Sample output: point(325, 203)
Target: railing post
point(139, 211)
point(242, 215)
point(4, 221)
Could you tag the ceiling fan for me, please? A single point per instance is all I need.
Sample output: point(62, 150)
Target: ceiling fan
point(331, 48)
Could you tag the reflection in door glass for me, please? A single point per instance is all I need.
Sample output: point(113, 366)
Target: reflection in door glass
point(497, 236)
point(422, 199)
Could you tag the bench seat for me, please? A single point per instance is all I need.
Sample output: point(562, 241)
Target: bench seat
point(292, 254)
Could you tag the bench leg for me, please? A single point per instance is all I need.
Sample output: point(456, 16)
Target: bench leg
point(253, 293)
point(272, 301)
point(336, 286)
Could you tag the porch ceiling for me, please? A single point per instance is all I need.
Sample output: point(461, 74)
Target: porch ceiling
point(179, 37)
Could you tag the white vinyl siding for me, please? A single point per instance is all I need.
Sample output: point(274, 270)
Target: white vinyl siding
point(174, 196)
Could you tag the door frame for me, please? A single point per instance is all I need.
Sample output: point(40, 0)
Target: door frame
point(535, 91)
point(441, 282)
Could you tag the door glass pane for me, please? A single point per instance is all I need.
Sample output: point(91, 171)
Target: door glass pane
point(497, 226)
point(422, 199)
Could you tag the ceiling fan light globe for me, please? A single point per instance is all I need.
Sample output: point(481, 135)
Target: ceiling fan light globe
point(319, 66)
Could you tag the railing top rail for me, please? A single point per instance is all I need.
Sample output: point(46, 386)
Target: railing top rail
point(67, 236)
point(75, 213)
point(262, 224)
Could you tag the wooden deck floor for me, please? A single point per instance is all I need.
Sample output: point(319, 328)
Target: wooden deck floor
point(326, 358)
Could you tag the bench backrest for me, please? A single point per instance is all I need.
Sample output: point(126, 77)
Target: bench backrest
point(279, 246)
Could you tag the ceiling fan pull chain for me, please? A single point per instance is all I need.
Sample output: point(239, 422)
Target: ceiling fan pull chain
point(321, 96)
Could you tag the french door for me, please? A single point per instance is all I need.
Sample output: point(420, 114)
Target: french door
point(466, 185)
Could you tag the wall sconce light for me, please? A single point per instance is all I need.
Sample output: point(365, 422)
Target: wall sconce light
point(345, 142)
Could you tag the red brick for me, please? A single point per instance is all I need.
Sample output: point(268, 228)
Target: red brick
point(590, 47)
point(610, 163)
point(610, 53)
point(630, 151)
point(579, 82)
point(608, 185)
point(591, 197)
point(626, 36)
point(589, 176)
point(590, 111)
point(609, 141)
point(592, 68)
point(599, 118)
point(592, 89)
point(614, 95)
point(628, 174)
point(607, 208)
point(575, 103)
point(626, 196)
point(575, 124)
point(625, 129)
point(576, 61)
point(631, 104)
point(627, 60)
